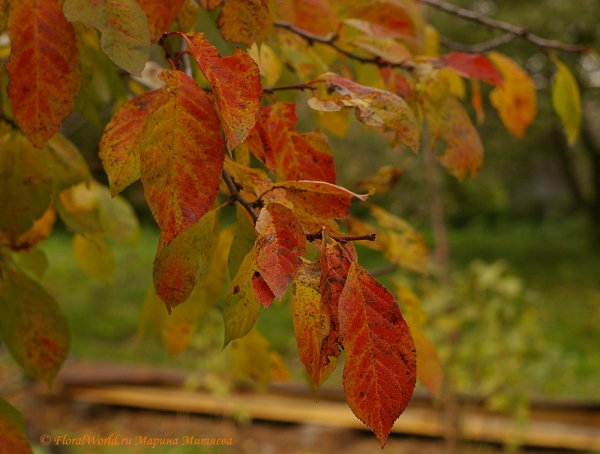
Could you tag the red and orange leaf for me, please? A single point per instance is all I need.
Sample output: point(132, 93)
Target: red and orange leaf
point(245, 21)
point(182, 156)
point(314, 16)
point(236, 82)
point(120, 144)
point(12, 440)
point(278, 248)
point(516, 100)
point(473, 65)
point(323, 200)
point(161, 14)
point(32, 325)
point(43, 68)
point(123, 26)
point(380, 369)
point(374, 107)
point(210, 4)
point(183, 263)
point(262, 291)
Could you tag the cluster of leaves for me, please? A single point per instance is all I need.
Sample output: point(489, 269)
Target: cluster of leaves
point(196, 137)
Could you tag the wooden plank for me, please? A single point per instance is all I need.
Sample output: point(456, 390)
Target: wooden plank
point(416, 420)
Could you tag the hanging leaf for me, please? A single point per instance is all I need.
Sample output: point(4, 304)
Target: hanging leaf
point(43, 69)
point(66, 162)
point(236, 82)
point(160, 14)
point(566, 100)
point(32, 327)
point(268, 62)
point(516, 100)
point(373, 107)
point(279, 245)
point(12, 440)
point(314, 16)
point(120, 144)
point(380, 368)
point(183, 263)
point(476, 101)
point(262, 290)
point(251, 361)
point(240, 308)
point(182, 141)
point(473, 65)
point(94, 256)
point(123, 26)
point(245, 21)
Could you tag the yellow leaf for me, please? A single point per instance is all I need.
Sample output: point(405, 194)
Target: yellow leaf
point(431, 48)
point(269, 64)
point(152, 316)
point(566, 100)
point(94, 256)
point(516, 100)
point(456, 83)
point(279, 371)
point(251, 361)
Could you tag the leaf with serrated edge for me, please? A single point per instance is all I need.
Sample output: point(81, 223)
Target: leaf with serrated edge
point(43, 69)
point(516, 100)
point(183, 263)
point(245, 21)
point(380, 367)
point(182, 156)
point(124, 28)
point(236, 82)
point(120, 144)
point(240, 308)
point(566, 100)
point(12, 440)
point(279, 245)
point(32, 325)
point(161, 14)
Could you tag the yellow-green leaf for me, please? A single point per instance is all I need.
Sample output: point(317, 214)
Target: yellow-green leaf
point(243, 240)
point(566, 100)
point(94, 256)
point(251, 360)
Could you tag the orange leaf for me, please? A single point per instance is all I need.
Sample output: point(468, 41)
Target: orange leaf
point(236, 82)
point(292, 155)
point(39, 231)
point(279, 245)
point(210, 4)
point(161, 14)
point(318, 198)
point(122, 138)
point(473, 65)
point(516, 100)
point(43, 68)
point(245, 21)
point(182, 156)
point(314, 16)
point(380, 369)
point(12, 440)
point(373, 107)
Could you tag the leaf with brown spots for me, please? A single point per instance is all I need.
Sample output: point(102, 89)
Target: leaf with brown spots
point(380, 370)
point(32, 326)
point(43, 68)
point(161, 14)
point(245, 21)
point(182, 141)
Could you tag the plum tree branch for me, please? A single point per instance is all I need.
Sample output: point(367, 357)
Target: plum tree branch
point(479, 47)
point(237, 196)
point(522, 32)
point(342, 239)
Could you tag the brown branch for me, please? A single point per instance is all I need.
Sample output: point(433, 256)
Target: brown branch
point(290, 87)
point(331, 42)
point(479, 47)
point(236, 196)
point(342, 239)
point(521, 32)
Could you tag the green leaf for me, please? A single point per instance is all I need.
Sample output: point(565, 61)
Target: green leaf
point(32, 325)
point(12, 414)
point(566, 100)
point(123, 25)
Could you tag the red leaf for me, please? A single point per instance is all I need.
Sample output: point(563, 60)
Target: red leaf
point(380, 369)
point(12, 440)
point(43, 67)
point(473, 65)
point(182, 157)
point(161, 14)
point(236, 82)
point(262, 291)
point(120, 145)
point(279, 245)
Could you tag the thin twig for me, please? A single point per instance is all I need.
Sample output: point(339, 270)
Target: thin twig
point(479, 47)
point(522, 32)
point(290, 87)
point(235, 194)
point(342, 239)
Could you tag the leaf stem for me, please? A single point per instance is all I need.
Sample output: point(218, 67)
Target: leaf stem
point(341, 239)
point(235, 195)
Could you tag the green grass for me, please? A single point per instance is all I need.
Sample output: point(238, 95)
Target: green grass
point(553, 259)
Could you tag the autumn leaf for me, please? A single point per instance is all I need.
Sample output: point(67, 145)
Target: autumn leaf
point(68, 165)
point(32, 325)
point(240, 307)
point(384, 180)
point(160, 14)
point(39, 231)
point(268, 62)
point(236, 82)
point(314, 16)
point(516, 100)
point(280, 243)
point(182, 141)
point(380, 368)
point(386, 48)
point(374, 107)
point(476, 101)
point(473, 65)
point(210, 4)
point(262, 291)
point(251, 361)
point(244, 237)
point(123, 26)
point(12, 440)
point(12, 415)
point(120, 146)
point(566, 100)
point(43, 69)
point(93, 254)
point(245, 21)
point(183, 263)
